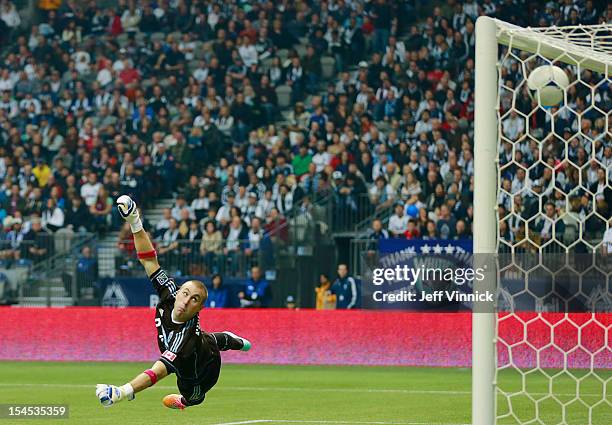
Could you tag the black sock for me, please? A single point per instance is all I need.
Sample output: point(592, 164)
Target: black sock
point(226, 342)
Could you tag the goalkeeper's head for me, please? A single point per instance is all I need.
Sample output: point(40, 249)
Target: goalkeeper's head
point(190, 299)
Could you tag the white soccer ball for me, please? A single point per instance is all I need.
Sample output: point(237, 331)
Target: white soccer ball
point(547, 84)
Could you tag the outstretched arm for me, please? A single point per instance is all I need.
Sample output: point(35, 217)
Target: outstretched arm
point(111, 394)
point(144, 247)
point(145, 379)
point(143, 244)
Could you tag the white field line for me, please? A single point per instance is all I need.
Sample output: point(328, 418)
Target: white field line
point(294, 389)
point(287, 421)
point(257, 421)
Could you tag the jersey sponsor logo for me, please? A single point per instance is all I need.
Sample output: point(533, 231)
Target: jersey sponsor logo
point(162, 278)
point(169, 355)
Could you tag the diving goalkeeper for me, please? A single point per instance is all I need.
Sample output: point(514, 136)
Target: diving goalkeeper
point(192, 354)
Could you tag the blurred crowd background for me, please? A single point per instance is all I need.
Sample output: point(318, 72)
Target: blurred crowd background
point(248, 115)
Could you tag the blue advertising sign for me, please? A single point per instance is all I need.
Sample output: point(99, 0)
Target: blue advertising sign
point(419, 275)
point(422, 246)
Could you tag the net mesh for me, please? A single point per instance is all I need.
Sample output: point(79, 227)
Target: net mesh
point(554, 207)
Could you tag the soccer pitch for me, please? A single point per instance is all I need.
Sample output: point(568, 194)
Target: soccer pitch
point(266, 394)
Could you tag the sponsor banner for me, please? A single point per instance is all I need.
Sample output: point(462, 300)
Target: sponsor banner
point(426, 276)
point(282, 336)
point(418, 246)
point(443, 276)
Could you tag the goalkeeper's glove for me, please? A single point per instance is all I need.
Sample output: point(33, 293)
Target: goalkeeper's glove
point(129, 212)
point(110, 394)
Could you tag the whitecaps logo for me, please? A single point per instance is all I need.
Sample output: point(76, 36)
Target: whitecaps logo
point(114, 296)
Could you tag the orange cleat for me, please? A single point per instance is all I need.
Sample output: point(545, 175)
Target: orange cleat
point(174, 401)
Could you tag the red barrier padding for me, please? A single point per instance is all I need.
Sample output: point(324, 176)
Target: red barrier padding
point(289, 337)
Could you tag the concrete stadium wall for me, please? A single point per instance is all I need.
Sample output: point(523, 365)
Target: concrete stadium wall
point(286, 337)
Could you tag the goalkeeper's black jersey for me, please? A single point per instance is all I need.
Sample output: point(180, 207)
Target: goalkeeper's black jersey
point(186, 349)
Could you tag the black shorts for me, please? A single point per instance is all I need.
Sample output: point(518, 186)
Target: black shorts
point(195, 391)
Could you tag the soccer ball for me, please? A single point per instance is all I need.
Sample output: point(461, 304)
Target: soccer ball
point(547, 84)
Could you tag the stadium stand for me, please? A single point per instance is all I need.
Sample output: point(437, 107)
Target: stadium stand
point(244, 117)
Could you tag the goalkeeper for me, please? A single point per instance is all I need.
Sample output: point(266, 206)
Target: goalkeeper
point(192, 354)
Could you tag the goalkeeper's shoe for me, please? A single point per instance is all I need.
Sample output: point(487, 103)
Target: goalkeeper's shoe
point(110, 394)
point(246, 344)
point(174, 401)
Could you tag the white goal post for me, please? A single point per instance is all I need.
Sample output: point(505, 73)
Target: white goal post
point(583, 47)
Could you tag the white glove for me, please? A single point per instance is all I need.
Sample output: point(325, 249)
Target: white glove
point(110, 394)
point(129, 212)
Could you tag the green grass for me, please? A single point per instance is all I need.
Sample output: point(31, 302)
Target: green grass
point(339, 395)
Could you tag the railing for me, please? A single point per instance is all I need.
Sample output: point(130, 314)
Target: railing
point(362, 250)
point(355, 215)
point(53, 279)
point(348, 211)
point(380, 213)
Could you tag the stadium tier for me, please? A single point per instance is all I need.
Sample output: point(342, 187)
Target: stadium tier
point(255, 132)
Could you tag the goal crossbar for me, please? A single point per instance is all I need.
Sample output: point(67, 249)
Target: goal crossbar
point(575, 45)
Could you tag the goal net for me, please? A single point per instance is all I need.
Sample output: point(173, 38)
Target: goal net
point(542, 206)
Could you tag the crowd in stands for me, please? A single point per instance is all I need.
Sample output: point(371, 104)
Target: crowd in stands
point(158, 99)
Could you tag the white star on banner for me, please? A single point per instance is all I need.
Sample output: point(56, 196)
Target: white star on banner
point(425, 249)
point(449, 249)
point(437, 249)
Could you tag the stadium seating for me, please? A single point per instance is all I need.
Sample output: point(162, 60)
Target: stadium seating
point(389, 99)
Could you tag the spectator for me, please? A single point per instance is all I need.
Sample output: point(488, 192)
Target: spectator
point(549, 225)
point(78, 217)
point(606, 243)
point(301, 162)
point(217, 295)
point(86, 270)
point(162, 224)
point(290, 302)
point(412, 231)
point(235, 243)
point(10, 16)
point(345, 289)
point(256, 292)
point(446, 224)
point(398, 223)
point(190, 246)
point(325, 299)
point(38, 243)
point(169, 245)
point(91, 189)
point(211, 246)
point(100, 210)
point(14, 246)
point(255, 236)
point(52, 217)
